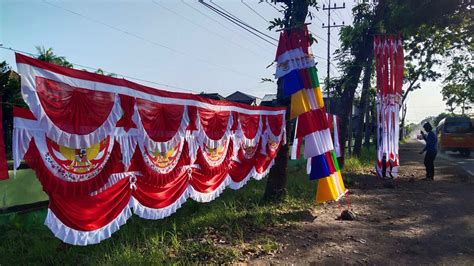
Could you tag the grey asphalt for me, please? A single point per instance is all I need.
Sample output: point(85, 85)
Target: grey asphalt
point(466, 163)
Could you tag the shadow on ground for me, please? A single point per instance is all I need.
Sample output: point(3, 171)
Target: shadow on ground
point(415, 222)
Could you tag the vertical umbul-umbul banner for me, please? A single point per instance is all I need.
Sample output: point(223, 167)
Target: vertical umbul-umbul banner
point(389, 63)
point(105, 148)
point(297, 67)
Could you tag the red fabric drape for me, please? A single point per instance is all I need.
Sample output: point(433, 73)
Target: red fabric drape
point(74, 110)
point(235, 118)
point(386, 72)
point(208, 178)
point(400, 65)
point(89, 213)
point(3, 157)
point(192, 114)
point(88, 192)
point(249, 124)
point(213, 170)
point(312, 121)
point(330, 123)
point(152, 178)
point(238, 170)
point(205, 183)
point(53, 184)
point(23, 113)
point(262, 162)
point(157, 197)
point(127, 103)
point(275, 122)
point(161, 121)
point(214, 123)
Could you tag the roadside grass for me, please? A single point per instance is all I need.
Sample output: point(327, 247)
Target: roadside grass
point(222, 231)
point(355, 166)
point(366, 160)
point(225, 230)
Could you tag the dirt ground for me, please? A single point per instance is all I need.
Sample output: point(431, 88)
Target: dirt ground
point(417, 222)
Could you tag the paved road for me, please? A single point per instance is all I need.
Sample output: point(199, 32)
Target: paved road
point(466, 163)
point(417, 222)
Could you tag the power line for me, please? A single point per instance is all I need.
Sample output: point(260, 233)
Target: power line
point(254, 11)
point(147, 40)
point(329, 26)
point(317, 56)
point(240, 21)
point(337, 14)
point(319, 19)
point(274, 7)
point(203, 27)
point(95, 69)
point(322, 39)
point(221, 24)
point(220, 13)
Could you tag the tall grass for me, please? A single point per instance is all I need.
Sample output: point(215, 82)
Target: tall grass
point(365, 161)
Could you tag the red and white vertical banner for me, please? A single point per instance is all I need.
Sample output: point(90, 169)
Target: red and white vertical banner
point(3, 156)
point(389, 64)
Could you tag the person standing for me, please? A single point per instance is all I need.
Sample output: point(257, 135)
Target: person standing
point(430, 149)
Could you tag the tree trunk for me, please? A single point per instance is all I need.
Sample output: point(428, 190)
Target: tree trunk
point(349, 87)
point(275, 189)
point(363, 105)
point(349, 137)
point(402, 123)
point(278, 177)
point(353, 74)
point(368, 126)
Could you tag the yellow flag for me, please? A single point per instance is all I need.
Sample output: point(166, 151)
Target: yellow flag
point(330, 188)
point(319, 97)
point(304, 100)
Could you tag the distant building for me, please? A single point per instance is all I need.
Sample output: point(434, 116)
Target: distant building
point(269, 100)
point(241, 97)
point(213, 96)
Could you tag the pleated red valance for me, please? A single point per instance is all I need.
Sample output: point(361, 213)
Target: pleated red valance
point(104, 148)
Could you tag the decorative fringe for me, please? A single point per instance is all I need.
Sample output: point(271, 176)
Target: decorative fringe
point(153, 178)
point(54, 184)
point(209, 169)
point(73, 140)
point(84, 238)
point(128, 143)
point(156, 214)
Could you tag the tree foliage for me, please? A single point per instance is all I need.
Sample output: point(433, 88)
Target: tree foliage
point(295, 12)
point(458, 89)
point(431, 30)
point(48, 55)
point(11, 96)
point(428, 45)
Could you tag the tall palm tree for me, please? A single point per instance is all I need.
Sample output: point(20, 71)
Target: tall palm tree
point(48, 55)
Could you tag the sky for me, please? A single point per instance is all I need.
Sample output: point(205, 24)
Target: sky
point(178, 45)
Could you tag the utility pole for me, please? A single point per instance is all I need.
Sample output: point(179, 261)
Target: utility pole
point(329, 26)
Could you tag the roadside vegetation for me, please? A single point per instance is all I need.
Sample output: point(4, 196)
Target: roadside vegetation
point(234, 227)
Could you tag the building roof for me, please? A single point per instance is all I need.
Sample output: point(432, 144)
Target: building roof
point(214, 96)
point(269, 97)
point(242, 98)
